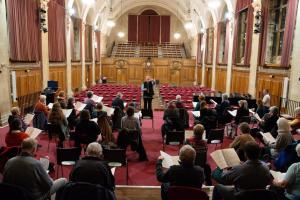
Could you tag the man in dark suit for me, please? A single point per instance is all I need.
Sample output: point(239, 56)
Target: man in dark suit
point(118, 101)
point(92, 169)
point(252, 174)
point(186, 174)
point(148, 93)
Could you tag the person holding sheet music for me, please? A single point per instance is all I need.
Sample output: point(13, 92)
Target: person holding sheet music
point(171, 119)
point(260, 110)
point(269, 121)
point(61, 99)
point(185, 174)
point(90, 103)
point(86, 131)
point(57, 118)
point(15, 114)
point(242, 111)
point(15, 136)
point(72, 119)
point(200, 145)
point(289, 187)
point(41, 106)
point(148, 93)
point(221, 109)
point(118, 101)
point(201, 98)
point(252, 174)
point(283, 139)
point(208, 117)
point(266, 99)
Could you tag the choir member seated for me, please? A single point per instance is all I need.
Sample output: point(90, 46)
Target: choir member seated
point(295, 124)
point(118, 101)
point(222, 110)
point(93, 169)
point(72, 119)
point(171, 119)
point(27, 172)
point(201, 98)
point(185, 174)
point(15, 114)
point(15, 136)
point(41, 112)
point(242, 111)
point(252, 174)
point(269, 121)
point(90, 103)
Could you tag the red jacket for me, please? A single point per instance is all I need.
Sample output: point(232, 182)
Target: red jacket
point(15, 139)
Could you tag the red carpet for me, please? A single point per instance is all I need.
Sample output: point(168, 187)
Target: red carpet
point(140, 173)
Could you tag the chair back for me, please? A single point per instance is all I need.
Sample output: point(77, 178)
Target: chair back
point(175, 137)
point(67, 154)
point(256, 194)
point(180, 192)
point(246, 119)
point(115, 155)
point(83, 191)
point(215, 134)
point(184, 117)
point(201, 158)
point(54, 130)
point(7, 153)
point(14, 192)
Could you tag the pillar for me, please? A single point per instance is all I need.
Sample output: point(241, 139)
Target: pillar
point(5, 100)
point(93, 56)
point(203, 58)
point(68, 55)
point(214, 66)
point(230, 57)
point(294, 88)
point(44, 49)
point(83, 85)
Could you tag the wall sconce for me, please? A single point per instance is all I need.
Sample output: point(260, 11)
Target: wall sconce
point(27, 70)
point(271, 76)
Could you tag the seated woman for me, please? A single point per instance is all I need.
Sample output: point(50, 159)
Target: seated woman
point(129, 122)
point(72, 119)
point(106, 131)
point(200, 145)
point(223, 115)
point(86, 131)
point(239, 142)
point(15, 114)
point(260, 110)
point(15, 136)
point(201, 98)
point(295, 124)
point(61, 99)
point(283, 139)
point(208, 117)
point(269, 121)
point(57, 118)
point(171, 119)
point(99, 110)
point(242, 111)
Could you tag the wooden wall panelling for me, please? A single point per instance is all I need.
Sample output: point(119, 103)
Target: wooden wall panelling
point(240, 81)
point(221, 76)
point(88, 75)
point(28, 81)
point(199, 71)
point(208, 76)
point(109, 69)
point(97, 72)
point(76, 77)
point(274, 83)
point(58, 73)
point(187, 75)
point(135, 74)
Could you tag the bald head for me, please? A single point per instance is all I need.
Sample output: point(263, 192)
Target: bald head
point(94, 149)
point(187, 155)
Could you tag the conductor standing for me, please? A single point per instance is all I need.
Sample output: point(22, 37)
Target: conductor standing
point(148, 93)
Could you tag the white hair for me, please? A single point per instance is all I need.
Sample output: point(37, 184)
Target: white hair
point(94, 149)
point(178, 97)
point(43, 98)
point(187, 155)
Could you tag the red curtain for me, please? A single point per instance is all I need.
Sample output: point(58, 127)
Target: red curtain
point(289, 32)
point(249, 34)
point(88, 42)
point(154, 29)
point(264, 33)
point(97, 50)
point(227, 37)
point(24, 33)
point(219, 27)
point(199, 53)
point(240, 6)
point(143, 28)
point(165, 28)
point(75, 39)
point(132, 28)
point(56, 32)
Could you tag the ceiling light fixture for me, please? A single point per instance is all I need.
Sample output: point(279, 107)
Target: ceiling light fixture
point(110, 23)
point(177, 35)
point(188, 25)
point(214, 4)
point(71, 11)
point(121, 34)
point(88, 2)
point(229, 16)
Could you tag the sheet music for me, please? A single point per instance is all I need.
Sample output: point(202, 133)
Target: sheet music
point(67, 112)
point(268, 137)
point(113, 170)
point(257, 117)
point(138, 114)
point(96, 98)
point(28, 118)
point(215, 103)
point(45, 163)
point(252, 111)
point(286, 116)
point(124, 104)
point(50, 106)
point(33, 132)
point(278, 176)
point(233, 113)
point(79, 106)
point(94, 120)
point(109, 110)
point(195, 104)
point(190, 133)
point(196, 113)
point(225, 158)
point(169, 160)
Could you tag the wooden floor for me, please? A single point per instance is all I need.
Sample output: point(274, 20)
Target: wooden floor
point(145, 192)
